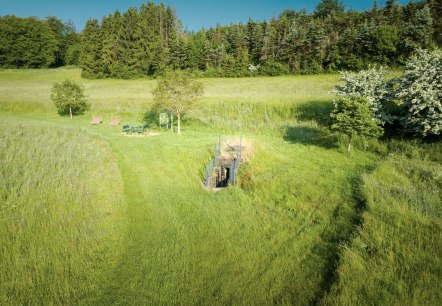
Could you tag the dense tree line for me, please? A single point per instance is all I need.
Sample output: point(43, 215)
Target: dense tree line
point(135, 43)
point(34, 43)
point(150, 40)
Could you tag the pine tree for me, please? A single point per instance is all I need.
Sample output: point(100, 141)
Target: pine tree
point(393, 13)
point(313, 48)
point(352, 116)
point(436, 13)
point(418, 31)
point(270, 42)
point(108, 55)
point(255, 37)
point(130, 50)
point(90, 54)
point(178, 58)
point(327, 7)
point(389, 5)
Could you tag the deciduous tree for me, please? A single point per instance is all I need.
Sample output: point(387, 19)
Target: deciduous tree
point(371, 85)
point(69, 98)
point(177, 92)
point(421, 93)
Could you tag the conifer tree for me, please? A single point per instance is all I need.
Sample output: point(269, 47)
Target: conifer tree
point(418, 31)
point(110, 28)
point(90, 54)
point(352, 116)
point(130, 51)
point(327, 7)
point(436, 13)
point(255, 37)
point(270, 42)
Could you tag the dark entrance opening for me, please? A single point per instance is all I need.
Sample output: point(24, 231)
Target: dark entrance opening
point(223, 178)
point(227, 176)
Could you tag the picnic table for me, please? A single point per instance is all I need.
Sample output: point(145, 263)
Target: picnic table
point(139, 129)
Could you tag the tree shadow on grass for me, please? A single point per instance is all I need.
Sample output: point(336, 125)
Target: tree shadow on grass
point(150, 118)
point(311, 136)
point(318, 111)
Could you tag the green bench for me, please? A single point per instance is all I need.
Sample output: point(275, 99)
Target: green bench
point(134, 129)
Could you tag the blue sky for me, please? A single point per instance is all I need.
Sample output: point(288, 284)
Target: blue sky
point(194, 14)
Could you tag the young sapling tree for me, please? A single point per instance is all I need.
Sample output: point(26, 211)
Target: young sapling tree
point(69, 98)
point(177, 92)
point(353, 116)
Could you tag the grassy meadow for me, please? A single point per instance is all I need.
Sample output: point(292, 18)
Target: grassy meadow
point(89, 216)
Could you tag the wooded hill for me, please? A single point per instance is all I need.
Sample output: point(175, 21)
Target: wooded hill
point(150, 40)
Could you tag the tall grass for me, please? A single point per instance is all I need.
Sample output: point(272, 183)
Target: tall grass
point(60, 215)
point(397, 256)
point(29, 91)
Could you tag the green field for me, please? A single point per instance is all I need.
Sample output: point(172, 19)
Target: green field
point(89, 216)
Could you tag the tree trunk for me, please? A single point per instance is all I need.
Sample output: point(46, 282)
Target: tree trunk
point(70, 111)
point(179, 122)
point(171, 121)
point(350, 138)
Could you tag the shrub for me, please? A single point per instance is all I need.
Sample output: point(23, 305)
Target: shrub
point(271, 68)
point(421, 93)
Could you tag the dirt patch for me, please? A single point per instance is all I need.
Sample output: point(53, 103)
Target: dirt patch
point(150, 134)
point(229, 149)
point(133, 135)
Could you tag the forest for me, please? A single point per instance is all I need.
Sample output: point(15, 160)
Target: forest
point(149, 40)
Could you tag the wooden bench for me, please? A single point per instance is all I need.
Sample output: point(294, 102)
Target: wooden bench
point(96, 120)
point(115, 122)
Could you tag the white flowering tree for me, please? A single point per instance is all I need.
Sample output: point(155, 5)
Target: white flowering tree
point(371, 85)
point(420, 91)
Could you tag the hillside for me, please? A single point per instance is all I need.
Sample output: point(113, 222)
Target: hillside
point(93, 217)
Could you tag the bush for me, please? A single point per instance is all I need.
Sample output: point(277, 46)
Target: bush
point(421, 93)
point(271, 68)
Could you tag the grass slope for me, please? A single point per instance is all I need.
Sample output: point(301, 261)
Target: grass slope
point(275, 240)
